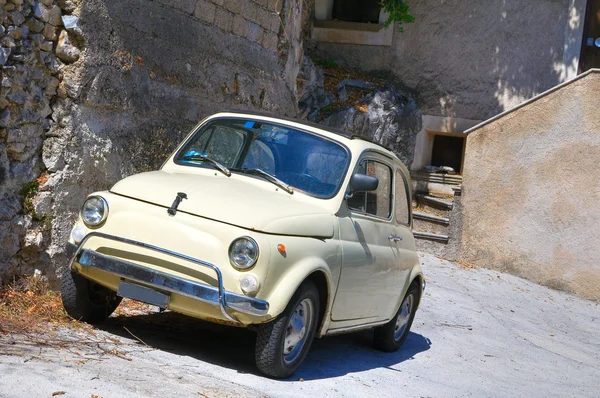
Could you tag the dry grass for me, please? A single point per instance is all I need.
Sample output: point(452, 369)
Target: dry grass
point(28, 305)
point(334, 75)
point(34, 324)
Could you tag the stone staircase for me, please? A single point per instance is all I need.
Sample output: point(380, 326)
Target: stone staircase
point(432, 220)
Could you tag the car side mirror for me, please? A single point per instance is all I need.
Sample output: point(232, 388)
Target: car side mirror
point(361, 183)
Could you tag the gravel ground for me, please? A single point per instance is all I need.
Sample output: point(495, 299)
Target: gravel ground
point(478, 333)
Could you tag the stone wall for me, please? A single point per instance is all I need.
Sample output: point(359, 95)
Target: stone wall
point(473, 59)
point(135, 77)
point(530, 191)
point(30, 73)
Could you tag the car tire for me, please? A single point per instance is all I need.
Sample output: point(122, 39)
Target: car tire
point(85, 300)
point(282, 345)
point(391, 336)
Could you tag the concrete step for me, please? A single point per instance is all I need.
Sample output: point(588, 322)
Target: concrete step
point(431, 227)
point(434, 182)
point(431, 236)
point(419, 215)
point(435, 202)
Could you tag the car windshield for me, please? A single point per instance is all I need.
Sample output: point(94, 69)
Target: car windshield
point(302, 160)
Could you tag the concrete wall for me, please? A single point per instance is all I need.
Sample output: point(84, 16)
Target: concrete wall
point(145, 73)
point(472, 59)
point(531, 192)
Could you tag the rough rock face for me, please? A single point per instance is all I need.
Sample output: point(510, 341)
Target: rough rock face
point(311, 91)
point(386, 115)
point(391, 119)
point(95, 90)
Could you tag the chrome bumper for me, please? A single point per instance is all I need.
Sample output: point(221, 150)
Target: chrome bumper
point(166, 282)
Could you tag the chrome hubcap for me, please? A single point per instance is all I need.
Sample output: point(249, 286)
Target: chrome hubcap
point(297, 330)
point(406, 309)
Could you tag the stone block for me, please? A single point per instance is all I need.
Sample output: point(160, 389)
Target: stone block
point(17, 18)
point(205, 11)
point(249, 10)
point(66, 51)
point(224, 19)
point(186, 6)
point(49, 32)
point(274, 5)
point(262, 3)
point(67, 5)
point(35, 25)
point(275, 24)
point(264, 18)
point(219, 2)
point(46, 46)
point(234, 6)
point(55, 16)
point(270, 41)
point(255, 32)
point(240, 26)
point(41, 12)
point(4, 54)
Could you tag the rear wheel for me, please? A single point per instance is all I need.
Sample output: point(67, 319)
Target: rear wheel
point(282, 345)
point(85, 300)
point(392, 335)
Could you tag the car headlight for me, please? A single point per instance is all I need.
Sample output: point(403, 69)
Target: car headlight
point(243, 253)
point(94, 211)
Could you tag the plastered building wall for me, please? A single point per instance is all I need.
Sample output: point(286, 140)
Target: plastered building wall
point(471, 59)
point(531, 190)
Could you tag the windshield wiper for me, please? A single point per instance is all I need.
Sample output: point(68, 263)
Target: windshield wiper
point(213, 162)
point(268, 177)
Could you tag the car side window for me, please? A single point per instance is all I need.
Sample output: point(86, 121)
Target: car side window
point(401, 199)
point(378, 202)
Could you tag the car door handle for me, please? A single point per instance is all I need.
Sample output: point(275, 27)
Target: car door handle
point(395, 238)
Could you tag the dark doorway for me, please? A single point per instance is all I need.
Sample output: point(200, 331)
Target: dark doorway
point(365, 11)
point(448, 151)
point(590, 51)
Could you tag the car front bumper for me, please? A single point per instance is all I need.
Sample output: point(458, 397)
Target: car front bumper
point(165, 282)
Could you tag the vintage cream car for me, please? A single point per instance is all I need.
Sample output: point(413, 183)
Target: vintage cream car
point(292, 229)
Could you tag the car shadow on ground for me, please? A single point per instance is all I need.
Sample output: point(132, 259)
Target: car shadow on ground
point(233, 347)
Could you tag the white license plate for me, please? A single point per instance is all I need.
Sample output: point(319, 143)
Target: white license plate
point(143, 294)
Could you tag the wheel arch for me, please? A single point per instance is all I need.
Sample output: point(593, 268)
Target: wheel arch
point(315, 270)
point(320, 279)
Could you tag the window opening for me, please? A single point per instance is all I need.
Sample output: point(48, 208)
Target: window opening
point(448, 151)
point(365, 11)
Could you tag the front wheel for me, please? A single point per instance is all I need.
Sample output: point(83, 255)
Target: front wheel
point(85, 300)
point(391, 336)
point(282, 345)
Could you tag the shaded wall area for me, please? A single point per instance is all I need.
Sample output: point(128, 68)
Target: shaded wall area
point(147, 72)
point(531, 190)
point(473, 59)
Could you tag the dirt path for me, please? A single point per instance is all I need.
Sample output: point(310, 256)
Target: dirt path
point(478, 333)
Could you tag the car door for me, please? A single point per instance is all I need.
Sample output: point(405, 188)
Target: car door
point(403, 242)
point(368, 255)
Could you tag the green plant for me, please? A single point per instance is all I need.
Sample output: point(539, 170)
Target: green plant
point(399, 13)
point(27, 192)
point(326, 63)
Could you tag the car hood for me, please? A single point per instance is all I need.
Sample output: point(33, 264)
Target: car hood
point(236, 200)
